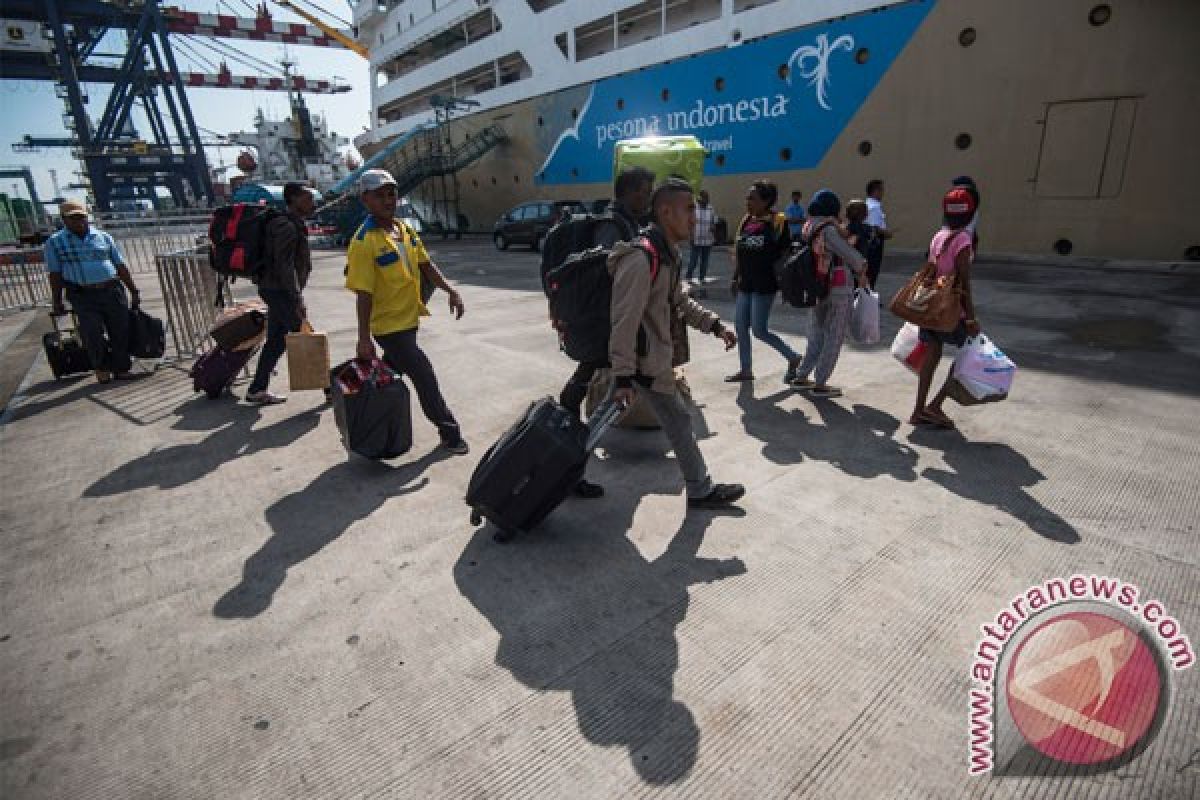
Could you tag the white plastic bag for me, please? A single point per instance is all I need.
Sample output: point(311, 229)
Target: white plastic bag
point(908, 349)
point(864, 318)
point(983, 369)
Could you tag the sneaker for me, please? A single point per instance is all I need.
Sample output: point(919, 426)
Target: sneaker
point(103, 376)
point(588, 489)
point(721, 496)
point(265, 398)
point(793, 365)
point(458, 448)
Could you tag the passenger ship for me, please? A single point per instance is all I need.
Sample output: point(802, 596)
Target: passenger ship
point(1077, 119)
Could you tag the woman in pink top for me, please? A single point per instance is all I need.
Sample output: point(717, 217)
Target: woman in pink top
point(952, 252)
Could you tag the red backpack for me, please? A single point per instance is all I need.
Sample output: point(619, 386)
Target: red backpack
point(238, 239)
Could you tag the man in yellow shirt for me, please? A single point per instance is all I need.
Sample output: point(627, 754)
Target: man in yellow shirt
point(384, 267)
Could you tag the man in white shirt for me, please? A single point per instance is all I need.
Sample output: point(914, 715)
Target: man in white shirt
point(878, 220)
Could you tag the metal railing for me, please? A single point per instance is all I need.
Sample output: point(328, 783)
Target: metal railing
point(189, 291)
point(143, 235)
point(23, 281)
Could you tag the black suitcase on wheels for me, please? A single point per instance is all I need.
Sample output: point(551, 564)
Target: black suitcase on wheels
point(64, 351)
point(532, 468)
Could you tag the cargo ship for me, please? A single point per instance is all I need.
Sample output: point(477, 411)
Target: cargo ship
point(1075, 118)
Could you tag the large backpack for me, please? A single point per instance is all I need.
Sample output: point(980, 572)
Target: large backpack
point(238, 239)
point(580, 292)
point(574, 235)
point(801, 281)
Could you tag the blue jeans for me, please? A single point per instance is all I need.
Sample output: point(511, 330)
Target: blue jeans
point(753, 312)
point(700, 252)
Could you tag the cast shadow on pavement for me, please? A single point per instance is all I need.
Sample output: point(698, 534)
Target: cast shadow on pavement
point(303, 522)
point(579, 609)
point(992, 474)
point(859, 441)
point(181, 464)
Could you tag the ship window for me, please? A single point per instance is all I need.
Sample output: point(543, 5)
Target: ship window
point(666, 95)
point(680, 16)
point(783, 72)
point(1100, 14)
point(541, 122)
point(962, 141)
point(966, 37)
point(516, 178)
point(574, 113)
point(864, 148)
point(749, 5)
point(574, 172)
point(539, 6)
point(862, 55)
point(1085, 147)
point(720, 159)
point(1063, 247)
point(620, 104)
point(639, 23)
point(561, 41)
point(719, 84)
point(786, 154)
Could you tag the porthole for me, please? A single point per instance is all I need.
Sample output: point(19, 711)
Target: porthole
point(719, 84)
point(666, 95)
point(736, 36)
point(574, 113)
point(1063, 247)
point(864, 148)
point(541, 122)
point(720, 159)
point(786, 154)
point(783, 72)
point(620, 104)
point(1100, 15)
point(1192, 253)
point(862, 56)
point(966, 37)
point(962, 141)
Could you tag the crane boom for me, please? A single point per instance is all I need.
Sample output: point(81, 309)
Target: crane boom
point(326, 28)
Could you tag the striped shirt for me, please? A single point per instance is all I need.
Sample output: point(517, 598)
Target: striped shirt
point(92, 258)
point(705, 219)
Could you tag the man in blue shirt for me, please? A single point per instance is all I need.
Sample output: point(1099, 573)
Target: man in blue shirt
point(795, 215)
point(89, 267)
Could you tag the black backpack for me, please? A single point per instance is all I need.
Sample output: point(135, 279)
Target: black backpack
point(799, 281)
point(580, 292)
point(238, 239)
point(574, 235)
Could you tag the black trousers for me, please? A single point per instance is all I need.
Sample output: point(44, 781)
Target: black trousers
point(282, 318)
point(401, 352)
point(576, 388)
point(103, 325)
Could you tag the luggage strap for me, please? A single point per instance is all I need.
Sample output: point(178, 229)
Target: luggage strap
point(234, 220)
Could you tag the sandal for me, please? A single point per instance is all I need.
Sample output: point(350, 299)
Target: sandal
point(739, 377)
point(802, 383)
point(825, 391)
point(927, 417)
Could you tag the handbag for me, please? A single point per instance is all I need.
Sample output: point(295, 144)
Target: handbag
point(308, 359)
point(930, 301)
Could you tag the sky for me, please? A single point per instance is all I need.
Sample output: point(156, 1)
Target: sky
point(31, 107)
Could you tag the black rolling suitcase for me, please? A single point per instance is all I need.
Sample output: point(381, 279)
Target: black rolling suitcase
point(64, 350)
point(532, 468)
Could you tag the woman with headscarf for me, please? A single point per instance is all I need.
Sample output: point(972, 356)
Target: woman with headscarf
point(827, 328)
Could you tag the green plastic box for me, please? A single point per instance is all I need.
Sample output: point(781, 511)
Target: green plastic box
point(665, 156)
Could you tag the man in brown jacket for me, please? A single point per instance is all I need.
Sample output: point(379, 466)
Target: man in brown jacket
point(281, 286)
point(645, 298)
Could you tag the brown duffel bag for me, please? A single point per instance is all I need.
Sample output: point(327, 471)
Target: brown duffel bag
point(241, 326)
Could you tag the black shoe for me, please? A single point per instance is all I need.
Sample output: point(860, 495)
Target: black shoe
point(589, 490)
point(458, 448)
point(722, 495)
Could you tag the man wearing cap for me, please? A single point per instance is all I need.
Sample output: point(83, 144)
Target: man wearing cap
point(87, 264)
point(281, 284)
point(385, 264)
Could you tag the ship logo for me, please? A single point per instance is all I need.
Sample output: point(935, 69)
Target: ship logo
point(812, 63)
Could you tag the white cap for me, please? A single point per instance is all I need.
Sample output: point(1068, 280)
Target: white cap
point(372, 179)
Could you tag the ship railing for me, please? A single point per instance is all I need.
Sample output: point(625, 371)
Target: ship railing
point(23, 281)
point(192, 296)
